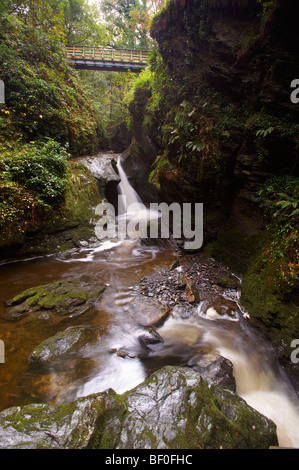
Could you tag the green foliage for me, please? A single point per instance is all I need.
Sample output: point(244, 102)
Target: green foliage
point(265, 126)
point(161, 166)
point(17, 209)
point(267, 7)
point(128, 22)
point(41, 169)
point(44, 94)
point(82, 23)
point(33, 181)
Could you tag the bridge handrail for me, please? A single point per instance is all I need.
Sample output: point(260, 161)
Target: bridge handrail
point(104, 53)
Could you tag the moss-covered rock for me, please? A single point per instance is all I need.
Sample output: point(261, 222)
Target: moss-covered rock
point(172, 409)
point(54, 302)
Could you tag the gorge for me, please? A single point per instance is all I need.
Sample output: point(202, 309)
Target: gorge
point(121, 343)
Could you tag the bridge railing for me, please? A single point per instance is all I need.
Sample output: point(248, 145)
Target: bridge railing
point(107, 54)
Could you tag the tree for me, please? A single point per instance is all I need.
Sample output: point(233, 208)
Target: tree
point(83, 24)
point(128, 21)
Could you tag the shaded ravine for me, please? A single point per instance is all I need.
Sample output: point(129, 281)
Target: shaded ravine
point(191, 330)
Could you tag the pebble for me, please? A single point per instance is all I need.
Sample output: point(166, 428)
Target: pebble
point(169, 284)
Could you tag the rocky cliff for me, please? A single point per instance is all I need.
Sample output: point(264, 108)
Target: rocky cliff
point(221, 116)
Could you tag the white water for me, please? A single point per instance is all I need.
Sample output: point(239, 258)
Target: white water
point(131, 209)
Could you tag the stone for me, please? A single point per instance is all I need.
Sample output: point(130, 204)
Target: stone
point(215, 369)
point(66, 298)
point(161, 319)
point(63, 343)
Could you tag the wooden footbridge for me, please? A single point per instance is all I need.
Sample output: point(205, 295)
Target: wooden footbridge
point(107, 59)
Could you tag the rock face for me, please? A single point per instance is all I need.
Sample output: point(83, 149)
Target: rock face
point(143, 150)
point(173, 409)
point(215, 370)
point(103, 167)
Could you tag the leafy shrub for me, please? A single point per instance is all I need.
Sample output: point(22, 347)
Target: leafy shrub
point(280, 202)
point(42, 169)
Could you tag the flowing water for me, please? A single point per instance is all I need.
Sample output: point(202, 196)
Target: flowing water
point(120, 264)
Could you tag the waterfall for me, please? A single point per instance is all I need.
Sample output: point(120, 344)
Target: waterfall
point(132, 213)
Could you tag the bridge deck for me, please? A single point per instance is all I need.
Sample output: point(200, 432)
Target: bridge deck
point(101, 58)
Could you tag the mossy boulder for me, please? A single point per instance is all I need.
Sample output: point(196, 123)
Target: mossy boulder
point(64, 343)
point(82, 196)
point(173, 409)
point(65, 299)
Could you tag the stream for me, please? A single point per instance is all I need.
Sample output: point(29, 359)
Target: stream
point(121, 264)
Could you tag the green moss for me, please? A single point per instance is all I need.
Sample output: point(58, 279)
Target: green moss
point(269, 309)
point(234, 248)
point(81, 197)
point(23, 296)
point(111, 411)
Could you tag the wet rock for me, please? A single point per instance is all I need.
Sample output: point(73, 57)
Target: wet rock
point(215, 370)
point(150, 337)
point(121, 352)
point(68, 298)
point(153, 336)
point(173, 409)
point(174, 264)
point(103, 167)
point(221, 308)
point(159, 321)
